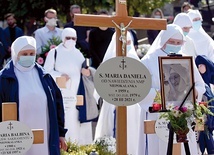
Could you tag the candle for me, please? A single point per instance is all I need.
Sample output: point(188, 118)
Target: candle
point(156, 106)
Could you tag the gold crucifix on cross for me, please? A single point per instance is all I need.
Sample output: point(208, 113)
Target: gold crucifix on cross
point(121, 21)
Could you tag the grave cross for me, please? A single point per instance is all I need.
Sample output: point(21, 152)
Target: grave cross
point(121, 21)
point(9, 112)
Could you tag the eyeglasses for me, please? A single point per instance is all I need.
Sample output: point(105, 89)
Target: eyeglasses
point(51, 18)
point(69, 38)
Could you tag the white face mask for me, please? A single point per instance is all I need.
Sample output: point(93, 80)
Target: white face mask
point(157, 16)
point(51, 22)
point(69, 44)
point(196, 25)
point(26, 61)
point(172, 48)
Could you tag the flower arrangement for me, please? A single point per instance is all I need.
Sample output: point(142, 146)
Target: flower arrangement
point(103, 146)
point(203, 108)
point(51, 43)
point(204, 114)
point(181, 118)
point(106, 144)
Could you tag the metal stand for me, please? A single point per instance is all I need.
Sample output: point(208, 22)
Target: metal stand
point(170, 142)
point(171, 131)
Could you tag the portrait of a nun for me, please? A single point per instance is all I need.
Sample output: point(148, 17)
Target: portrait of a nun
point(178, 81)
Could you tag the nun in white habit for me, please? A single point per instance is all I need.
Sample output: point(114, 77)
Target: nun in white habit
point(204, 44)
point(106, 125)
point(68, 63)
point(169, 40)
point(185, 23)
point(39, 107)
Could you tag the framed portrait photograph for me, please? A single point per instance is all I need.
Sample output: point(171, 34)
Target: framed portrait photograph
point(176, 80)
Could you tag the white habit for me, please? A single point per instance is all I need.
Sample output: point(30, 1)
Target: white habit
point(183, 20)
point(204, 44)
point(33, 102)
point(105, 124)
point(69, 61)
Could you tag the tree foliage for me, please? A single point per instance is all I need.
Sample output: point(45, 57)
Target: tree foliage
point(23, 9)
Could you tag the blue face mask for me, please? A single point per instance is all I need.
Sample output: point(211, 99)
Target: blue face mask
point(26, 61)
point(172, 48)
point(128, 47)
point(196, 25)
point(185, 33)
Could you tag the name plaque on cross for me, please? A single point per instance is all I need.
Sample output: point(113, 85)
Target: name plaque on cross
point(15, 138)
point(122, 81)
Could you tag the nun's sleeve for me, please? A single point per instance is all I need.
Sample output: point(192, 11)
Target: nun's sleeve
point(50, 64)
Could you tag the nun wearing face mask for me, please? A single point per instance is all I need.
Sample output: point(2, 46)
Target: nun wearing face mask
point(38, 98)
point(204, 44)
point(152, 34)
point(66, 61)
point(106, 125)
point(168, 41)
point(185, 23)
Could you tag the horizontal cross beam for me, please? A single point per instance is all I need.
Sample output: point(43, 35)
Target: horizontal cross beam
point(106, 21)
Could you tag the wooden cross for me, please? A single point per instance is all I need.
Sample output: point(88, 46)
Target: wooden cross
point(61, 83)
point(9, 113)
point(121, 21)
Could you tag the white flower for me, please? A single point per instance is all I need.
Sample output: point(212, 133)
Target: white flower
point(108, 141)
point(176, 113)
point(189, 106)
point(170, 106)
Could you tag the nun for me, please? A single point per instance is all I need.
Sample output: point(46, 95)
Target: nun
point(206, 69)
point(66, 61)
point(38, 98)
point(168, 41)
point(203, 43)
point(106, 125)
point(185, 23)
